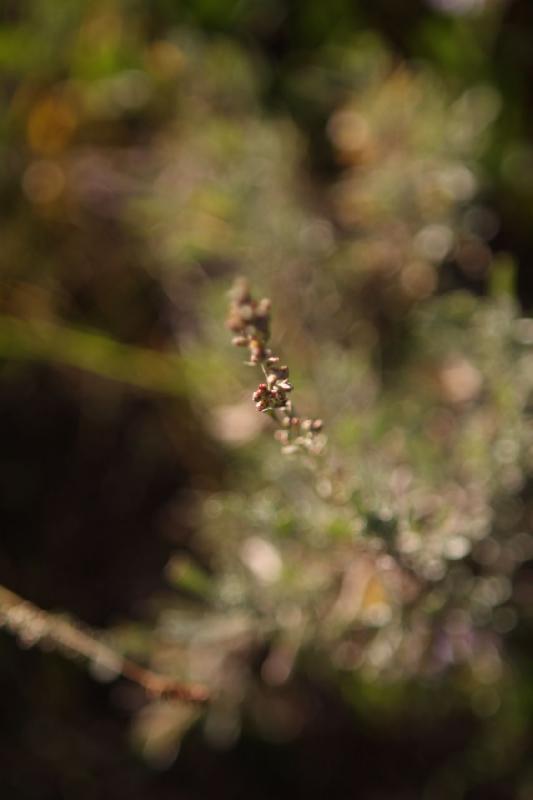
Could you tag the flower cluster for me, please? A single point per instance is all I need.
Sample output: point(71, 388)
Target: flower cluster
point(249, 320)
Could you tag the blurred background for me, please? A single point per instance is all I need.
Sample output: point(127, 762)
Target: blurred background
point(367, 625)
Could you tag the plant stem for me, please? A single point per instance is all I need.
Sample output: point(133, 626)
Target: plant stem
point(32, 626)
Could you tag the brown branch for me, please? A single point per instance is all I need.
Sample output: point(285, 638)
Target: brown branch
point(32, 626)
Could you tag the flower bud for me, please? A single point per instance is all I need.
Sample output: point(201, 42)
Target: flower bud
point(285, 386)
point(263, 307)
point(240, 293)
point(235, 322)
point(246, 312)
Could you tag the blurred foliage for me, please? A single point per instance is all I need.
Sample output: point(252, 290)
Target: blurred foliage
point(368, 167)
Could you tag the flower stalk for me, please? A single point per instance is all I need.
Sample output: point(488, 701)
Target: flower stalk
point(249, 320)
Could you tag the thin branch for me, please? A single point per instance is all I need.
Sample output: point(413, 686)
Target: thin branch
point(31, 625)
